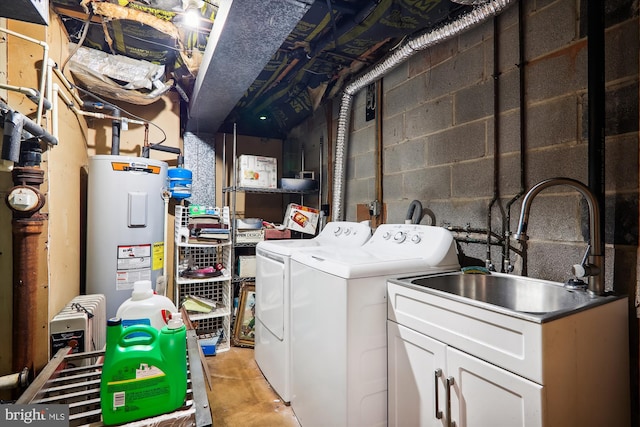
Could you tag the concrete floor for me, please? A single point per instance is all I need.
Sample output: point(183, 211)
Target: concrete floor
point(240, 394)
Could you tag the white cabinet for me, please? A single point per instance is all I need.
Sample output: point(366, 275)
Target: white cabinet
point(416, 364)
point(189, 255)
point(430, 383)
point(452, 364)
point(483, 394)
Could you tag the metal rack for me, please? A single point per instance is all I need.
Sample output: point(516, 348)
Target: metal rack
point(217, 289)
point(74, 380)
point(233, 190)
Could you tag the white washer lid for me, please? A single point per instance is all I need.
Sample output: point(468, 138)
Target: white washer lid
point(393, 249)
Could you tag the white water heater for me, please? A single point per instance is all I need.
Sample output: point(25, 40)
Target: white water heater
point(125, 221)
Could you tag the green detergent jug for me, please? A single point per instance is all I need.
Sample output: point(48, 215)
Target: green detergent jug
point(144, 372)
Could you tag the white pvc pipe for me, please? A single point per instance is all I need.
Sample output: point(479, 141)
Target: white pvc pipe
point(68, 85)
point(165, 196)
point(43, 76)
point(11, 381)
point(54, 109)
point(49, 68)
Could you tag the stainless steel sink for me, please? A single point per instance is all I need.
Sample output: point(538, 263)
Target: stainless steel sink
point(534, 299)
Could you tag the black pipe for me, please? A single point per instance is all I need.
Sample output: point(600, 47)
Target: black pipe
point(12, 136)
point(496, 139)
point(25, 123)
point(465, 239)
point(523, 144)
point(159, 147)
point(471, 230)
point(116, 126)
point(116, 123)
point(596, 107)
point(14, 125)
point(37, 131)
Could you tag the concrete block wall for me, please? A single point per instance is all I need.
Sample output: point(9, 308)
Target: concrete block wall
point(439, 137)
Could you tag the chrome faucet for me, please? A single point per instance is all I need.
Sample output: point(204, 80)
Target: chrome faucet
point(593, 264)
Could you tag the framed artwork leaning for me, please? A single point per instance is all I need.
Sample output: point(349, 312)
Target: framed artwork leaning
point(244, 329)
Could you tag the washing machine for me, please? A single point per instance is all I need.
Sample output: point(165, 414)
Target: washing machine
point(272, 348)
point(338, 321)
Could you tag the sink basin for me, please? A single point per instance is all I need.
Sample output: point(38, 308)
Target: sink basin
point(534, 299)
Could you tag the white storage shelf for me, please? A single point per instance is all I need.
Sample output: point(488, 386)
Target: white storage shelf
point(190, 255)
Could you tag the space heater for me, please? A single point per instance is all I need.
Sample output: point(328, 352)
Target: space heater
point(81, 325)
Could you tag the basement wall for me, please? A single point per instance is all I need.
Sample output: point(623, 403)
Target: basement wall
point(61, 247)
point(58, 255)
point(438, 140)
point(438, 136)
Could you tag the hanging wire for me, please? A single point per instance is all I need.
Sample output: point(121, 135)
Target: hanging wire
point(83, 36)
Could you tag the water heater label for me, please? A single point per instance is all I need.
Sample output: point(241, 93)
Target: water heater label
point(135, 167)
point(134, 263)
point(158, 255)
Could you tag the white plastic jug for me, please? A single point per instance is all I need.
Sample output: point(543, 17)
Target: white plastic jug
point(146, 308)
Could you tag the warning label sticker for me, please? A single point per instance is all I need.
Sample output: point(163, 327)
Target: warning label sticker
point(134, 264)
point(158, 256)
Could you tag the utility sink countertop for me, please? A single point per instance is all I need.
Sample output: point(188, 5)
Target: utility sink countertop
point(527, 298)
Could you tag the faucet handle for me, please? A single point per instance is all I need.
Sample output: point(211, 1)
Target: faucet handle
point(586, 255)
point(585, 269)
point(579, 270)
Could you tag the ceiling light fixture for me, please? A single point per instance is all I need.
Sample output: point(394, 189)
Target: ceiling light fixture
point(263, 117)
point(191, 18)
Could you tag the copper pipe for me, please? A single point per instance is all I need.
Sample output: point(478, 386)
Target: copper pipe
point(26, 233)
point(26, 230)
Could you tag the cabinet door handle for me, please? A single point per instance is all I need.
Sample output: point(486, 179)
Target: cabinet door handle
point(450, 382)
point(437, 374)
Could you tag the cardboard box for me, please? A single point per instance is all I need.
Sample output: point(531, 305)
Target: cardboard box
point(257, 172)
point(247, 266)
point(273, 234)
point(301, 218)
point(249, 236)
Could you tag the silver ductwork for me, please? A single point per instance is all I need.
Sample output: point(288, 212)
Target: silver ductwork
point(431, 38)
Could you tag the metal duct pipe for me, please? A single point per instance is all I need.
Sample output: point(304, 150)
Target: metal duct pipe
point(465, 22)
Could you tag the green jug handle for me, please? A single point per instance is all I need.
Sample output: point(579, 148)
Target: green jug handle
point(145, 335)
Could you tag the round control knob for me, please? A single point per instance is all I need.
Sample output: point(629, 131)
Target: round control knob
point(399, 237)
point(347, 231)
point(337, 231)
point(416, 239)
point(386, 235)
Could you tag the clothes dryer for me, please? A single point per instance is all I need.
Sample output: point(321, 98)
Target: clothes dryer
point(272, 348)
point(338, 321)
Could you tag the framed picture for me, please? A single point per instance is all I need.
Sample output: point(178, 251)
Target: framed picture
point(244, 330)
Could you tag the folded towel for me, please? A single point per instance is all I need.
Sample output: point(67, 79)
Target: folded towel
point(475, 270)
